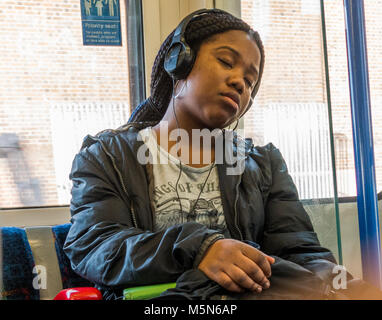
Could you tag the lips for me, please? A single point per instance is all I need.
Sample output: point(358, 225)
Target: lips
point(233, 98)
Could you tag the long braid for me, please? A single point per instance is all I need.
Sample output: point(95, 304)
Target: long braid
point(161, 82)
point(200, 29)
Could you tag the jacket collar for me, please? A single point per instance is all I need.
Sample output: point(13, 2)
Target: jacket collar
point(229, 171)
point(239, 144)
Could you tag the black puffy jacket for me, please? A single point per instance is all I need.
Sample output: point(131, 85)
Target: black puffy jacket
point(111, 241)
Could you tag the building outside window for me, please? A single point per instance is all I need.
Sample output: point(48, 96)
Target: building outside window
point(55, 90)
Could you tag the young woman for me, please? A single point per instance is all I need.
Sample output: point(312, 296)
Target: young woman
point(138, 222)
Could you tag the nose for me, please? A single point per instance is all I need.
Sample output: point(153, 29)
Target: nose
point(237, 82)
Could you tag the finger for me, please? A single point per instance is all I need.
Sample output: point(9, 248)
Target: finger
point(270, 259)
point(259, 258)
point(253, 271)
point(227, 283)
point(241, 278)
point(265, 266)
point(223, 279)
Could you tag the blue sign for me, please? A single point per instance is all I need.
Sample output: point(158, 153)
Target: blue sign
point(101, 22)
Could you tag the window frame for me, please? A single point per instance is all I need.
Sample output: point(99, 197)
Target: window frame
point(136, 60)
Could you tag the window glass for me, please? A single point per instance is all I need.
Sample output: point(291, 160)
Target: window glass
point(55, 90)
point(343, 137)
point(373, 21)
point(291, 109)
point(340, 98)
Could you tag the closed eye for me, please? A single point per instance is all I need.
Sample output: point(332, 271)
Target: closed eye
point(226, 63)
point(230, 66)
point(249, 83)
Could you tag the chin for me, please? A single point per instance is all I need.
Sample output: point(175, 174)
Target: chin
point(219, 123)
point(219, 120)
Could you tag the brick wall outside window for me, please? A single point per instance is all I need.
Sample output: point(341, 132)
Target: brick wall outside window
point(43, 63)
point(294, 69)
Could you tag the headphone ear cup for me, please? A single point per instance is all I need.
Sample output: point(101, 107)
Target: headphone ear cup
point(179, 60)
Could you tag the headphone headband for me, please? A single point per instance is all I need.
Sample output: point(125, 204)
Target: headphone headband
point(179, 56)
point(181, 28)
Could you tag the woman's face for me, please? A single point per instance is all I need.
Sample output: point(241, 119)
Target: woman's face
point(219, 86)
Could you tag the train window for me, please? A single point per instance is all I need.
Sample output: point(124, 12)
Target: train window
point(341, 116)
point(291, 109)
point(373, 14)
point(55, 90)
point(294, 88)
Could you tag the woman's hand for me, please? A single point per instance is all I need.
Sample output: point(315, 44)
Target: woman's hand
point(237, 266)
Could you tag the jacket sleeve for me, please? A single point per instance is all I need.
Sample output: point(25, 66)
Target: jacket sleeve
point(288, 231)
point(103, 244)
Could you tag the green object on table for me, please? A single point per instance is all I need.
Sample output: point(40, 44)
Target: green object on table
point(146, 292)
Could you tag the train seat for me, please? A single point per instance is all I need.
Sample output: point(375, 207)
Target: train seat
point(34, 266)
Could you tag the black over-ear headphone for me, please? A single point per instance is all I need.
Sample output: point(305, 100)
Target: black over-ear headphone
point(179, 56)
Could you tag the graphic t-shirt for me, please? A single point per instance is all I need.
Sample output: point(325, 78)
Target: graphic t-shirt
point(168, 211)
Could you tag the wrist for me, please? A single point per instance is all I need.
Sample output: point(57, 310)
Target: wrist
point(207, 243)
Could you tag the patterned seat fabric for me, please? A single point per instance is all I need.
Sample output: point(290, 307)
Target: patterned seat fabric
point(18, 270)
point(17, 266)
point(70, 279)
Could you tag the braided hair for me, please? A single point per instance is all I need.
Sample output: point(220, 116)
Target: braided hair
point(199, 29)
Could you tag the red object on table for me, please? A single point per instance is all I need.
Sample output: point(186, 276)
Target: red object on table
point(85, 293)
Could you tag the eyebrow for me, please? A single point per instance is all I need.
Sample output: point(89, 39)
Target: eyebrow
point(238, 54)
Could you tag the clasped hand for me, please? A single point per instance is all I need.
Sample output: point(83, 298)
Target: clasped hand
point(237, 266)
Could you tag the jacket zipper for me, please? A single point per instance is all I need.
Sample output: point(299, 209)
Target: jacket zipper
point(236, 216)
point(124, 128)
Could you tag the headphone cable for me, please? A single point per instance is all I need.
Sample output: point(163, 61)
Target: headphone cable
point(180, 161)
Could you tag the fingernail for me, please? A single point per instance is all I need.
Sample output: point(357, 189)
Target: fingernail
point(259, 289)
point(267, 285)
